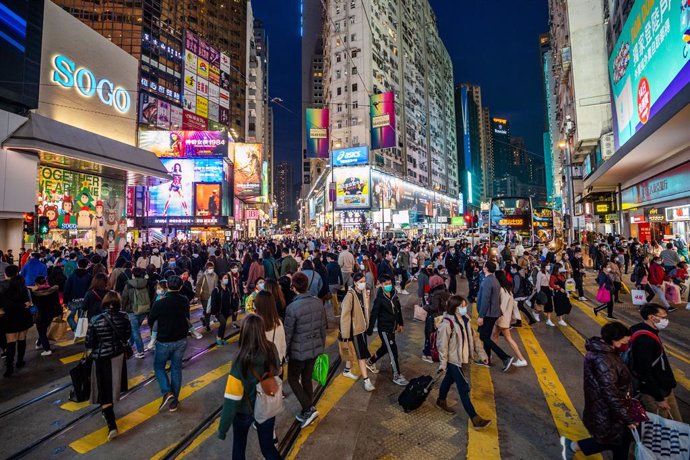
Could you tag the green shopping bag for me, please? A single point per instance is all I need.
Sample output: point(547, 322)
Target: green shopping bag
point(321, 365)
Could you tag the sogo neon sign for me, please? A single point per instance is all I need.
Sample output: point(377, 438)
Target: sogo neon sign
point(68, 75)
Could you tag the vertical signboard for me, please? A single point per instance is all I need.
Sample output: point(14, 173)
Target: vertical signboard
point(317, 132)
point(247, 159)
point(382, 112)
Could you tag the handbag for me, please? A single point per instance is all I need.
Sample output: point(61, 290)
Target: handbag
point(665, 439)
point(81, 380)
point(321, 365)
point(635, 409)
point(603, 295)
point(269, 396)
point(347, 350)
point(639, 297)
point(125, 344)
point(420, 313)
point(570, 285)
point(57, 330)
point(82, 328)
point(541, 298)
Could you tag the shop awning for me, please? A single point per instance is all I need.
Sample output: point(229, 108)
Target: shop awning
point(61, 145)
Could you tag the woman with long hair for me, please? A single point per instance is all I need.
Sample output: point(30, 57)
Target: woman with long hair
point(106, 340)
point(257, 358)
point(15, 301)
point(265, 305)
point(354, 321)
point(94, 296)
point(605, 282)
point(508, 313)
point(273, 287)
point(542, 299)
point(561, 302)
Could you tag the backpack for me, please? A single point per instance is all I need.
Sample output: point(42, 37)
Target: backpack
point(628, 356)
point(141, 304)
point(433, 339)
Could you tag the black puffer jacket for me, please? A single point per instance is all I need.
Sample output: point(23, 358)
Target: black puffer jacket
point(102, 340)
point(47, 301)
point(387, 312)
point(607, 382)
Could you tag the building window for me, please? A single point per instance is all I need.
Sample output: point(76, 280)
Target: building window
point(354, 54)
point(353, 37)
point(338, 91)
point(337, 73)
point(337, 57)
point(352, 19)
point(354, 87)
point(354, 70)
point(355, 104)
point(339, 108)
point(339, 124)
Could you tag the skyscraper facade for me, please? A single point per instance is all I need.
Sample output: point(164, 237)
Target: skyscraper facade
point(502, 149)
point(284, 188)
point(472, 144)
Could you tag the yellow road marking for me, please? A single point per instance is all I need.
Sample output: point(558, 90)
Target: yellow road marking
point(482, 444)
point(561, 407)
point(75, 406)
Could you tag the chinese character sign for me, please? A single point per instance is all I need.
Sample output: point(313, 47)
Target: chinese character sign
point(382, 111)
point(317, 133)
point(185, 144)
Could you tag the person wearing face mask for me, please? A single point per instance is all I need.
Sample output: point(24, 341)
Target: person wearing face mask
point(423, 280)
point(607, 386)
point(235, 286)
point(354, 320)
point(561, 303)
point(456, 349)
point(386, 266)
point(438, 297)
point(657, 277)
point(220, 302)
point(543, 297)
point(578, 273)
point(605, 281)
point(650, 364)
point(205, 284)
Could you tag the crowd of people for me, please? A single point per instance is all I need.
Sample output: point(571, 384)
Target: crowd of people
point(287, 287)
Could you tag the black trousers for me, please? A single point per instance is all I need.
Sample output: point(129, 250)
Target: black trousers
point(453, 285)
point(388, 345)
point(299, 378)
point(578, 286)
point(591, 446)
point(485, 331)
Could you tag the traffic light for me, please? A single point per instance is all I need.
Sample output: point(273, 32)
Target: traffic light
point(327, 227)
point(468, 219)
point(29, 223)
point(43, 225)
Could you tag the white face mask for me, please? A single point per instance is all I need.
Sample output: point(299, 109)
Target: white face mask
point(662, 324)
point(361, 266)
point(234, 270)
point(159, 291)
point(225, 281)
point(461, 311)
point(209, 271)
point(361, 286)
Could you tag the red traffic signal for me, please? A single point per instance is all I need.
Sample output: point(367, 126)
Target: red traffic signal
point(468, 219)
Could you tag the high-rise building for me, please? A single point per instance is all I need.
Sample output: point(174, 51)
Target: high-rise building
point(519, 159)
point(284, 192)
point(502, 150)
point(489, 174)
point(378, 46)
point(552, 155)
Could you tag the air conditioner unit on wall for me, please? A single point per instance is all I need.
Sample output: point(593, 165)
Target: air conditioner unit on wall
point(607, 146)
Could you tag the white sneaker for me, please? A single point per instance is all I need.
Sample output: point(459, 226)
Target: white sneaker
point(372, 367)
point(47, 353)
point(549, 323)
point(562, 323)
point(427, 359)
point(350, 375)
point(139, 355)
point(404, 292)
point(151, 345)
point(197, 335)
point(537, 318)
point(38, 345)
point(520, 363)
point(528, 303)
point(368, 386)
point(583, 299)
point(400, 380)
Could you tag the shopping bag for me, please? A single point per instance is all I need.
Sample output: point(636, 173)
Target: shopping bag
point(666, 439)
point(81, 380)
point(672, 293)
point(347, 351)
point(419, 313)
point(82, 327)
point(641, 452)
point(639, 297)
point(57, 330)
point(603, 295)
point(570, 285)
point(320, 373)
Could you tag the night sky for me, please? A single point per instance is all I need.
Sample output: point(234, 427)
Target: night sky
point(492, 44)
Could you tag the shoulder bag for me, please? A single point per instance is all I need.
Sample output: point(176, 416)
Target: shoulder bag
point(269, 396)
point(127, 347)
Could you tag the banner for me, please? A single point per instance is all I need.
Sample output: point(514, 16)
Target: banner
point(382, 112)
point(185, 144)
point(318, 141)
point(350, 157)
point(247, 159)
point(352, 187)
point(207, 199)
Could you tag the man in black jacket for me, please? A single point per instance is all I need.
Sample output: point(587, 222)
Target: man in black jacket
point(650, 364)
point(578, 272)
point(387, 314)
point(172, 315)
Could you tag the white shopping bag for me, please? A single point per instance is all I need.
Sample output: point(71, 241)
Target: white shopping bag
point(666, 439)
point(639, 297)
point(82, 327)
point(641, 452)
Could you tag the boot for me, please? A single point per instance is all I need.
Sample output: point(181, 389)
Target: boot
point(21, 349)
point(478, 423)
point(9, 359)
point(444, 405)
point(109, 416)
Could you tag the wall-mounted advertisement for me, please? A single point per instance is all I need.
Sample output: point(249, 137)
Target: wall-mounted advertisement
point(649, 64)
point(669, 185)
point(350, 157)
point(542, 223)
point(185, 144)
point(382, 112)
point(247, 159)
point(317, 133)
point(158, 113)
point(177, 197)
point(352, 187)
point(207, 199)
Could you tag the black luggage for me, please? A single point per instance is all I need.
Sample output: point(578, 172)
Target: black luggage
point(81, 381)
point(415, 392)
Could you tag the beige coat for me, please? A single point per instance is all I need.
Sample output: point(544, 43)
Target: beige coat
point(352, 314)
point(455, 344)
point(508, 307)
point(205, 284)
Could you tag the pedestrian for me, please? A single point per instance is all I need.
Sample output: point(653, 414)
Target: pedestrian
point(265, 304)
point(489, 310)
point(561, 302)
point(47, 301)
point(347, 264)
point(76, 286)
point(387, 316)
point(236, 290)
point(669, 257)
point(616, 277)
point(106, 340)
point(508, 314)
point(354, 321)
point(205, 285)
point(256, 271)
point(456, 349)
point(172, 315)
point(15, 302)
point(314, 281)
point(221, 305)
point(607, 387)
point(257, 359)
point(438, 297)
point(335, 281)
point(605, 284)
point(657, 277)
point(33, 268)
point(305, 333)
point(543, 298)
point(578, 273)
point(137, 303)
point(288, 263)
point(403, 261)
point(522, 289)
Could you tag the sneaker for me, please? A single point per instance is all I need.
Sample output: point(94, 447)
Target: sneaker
point(38, 346)
point(140, 355)
point(537, 318)
point(112, 434)
point(549, 323)
point(478, 423)
point(507, 363)
point(400, 380)
point(443, 404)
point(368, 386)
point(220, 342)
point(583, 299)
point(310, 415)
point(672, 309)
point(47, 353)
point(562, 323)
point(197, 335)
point(174, 406)
point(166, 399)
point(348, 373)
point(150, 346)
point(483, 364)
point(528, 303)
point(372, 367)
point(595, 311)
point(611, 318)
point(301, 417)
point(567, 451)
point(520, 363)
point(427, 358)
point(404, 292)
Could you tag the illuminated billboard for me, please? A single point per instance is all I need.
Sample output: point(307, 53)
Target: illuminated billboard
point(352, 187)
point(185, 144)
point(317, 133)
point(382, 112)
point(649, 64)
point(207, 199)
point(350, 157)
point(177, 197)
point(247, 159)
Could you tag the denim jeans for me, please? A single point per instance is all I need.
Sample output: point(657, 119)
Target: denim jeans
point(240, 431)
point(74, 307)
point(454, 375)
point(173, 352)
point(659, 290)
point(135, 338)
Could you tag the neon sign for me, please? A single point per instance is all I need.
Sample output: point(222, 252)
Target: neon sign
point(68, 75)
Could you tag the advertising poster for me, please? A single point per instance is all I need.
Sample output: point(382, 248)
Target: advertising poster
point(247, 160)
point(175, 117)
point(352, 187)
point(204, 80)
point(202, 106)
point(177, 197)
point(350, 157)
point(207, 199)
point(542, 221)
point(189, 102)
point(163, 115)
point(148, 109)
point(78, 201)
point(382, 112)
point(317, 133)
point(649, 64)
point(193, 122)
point(185, 144)
point(213, 110)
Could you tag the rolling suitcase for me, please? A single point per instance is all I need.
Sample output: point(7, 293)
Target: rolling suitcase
point(416, 392)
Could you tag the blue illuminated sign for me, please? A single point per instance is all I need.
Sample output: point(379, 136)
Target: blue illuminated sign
point(68, 75)
point(350, 157)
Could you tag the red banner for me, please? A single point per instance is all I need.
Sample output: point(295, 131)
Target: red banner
point(193, 122)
